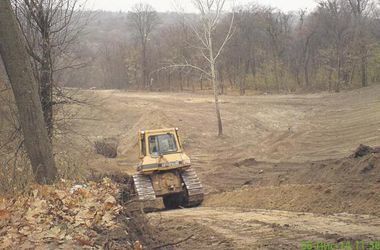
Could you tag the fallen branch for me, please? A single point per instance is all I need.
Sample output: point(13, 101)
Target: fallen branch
point(174, 243)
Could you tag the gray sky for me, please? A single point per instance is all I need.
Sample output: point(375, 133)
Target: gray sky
point(169, 5)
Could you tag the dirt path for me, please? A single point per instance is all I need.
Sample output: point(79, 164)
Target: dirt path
point(263, 229)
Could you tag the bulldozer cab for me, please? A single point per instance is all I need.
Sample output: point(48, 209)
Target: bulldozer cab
point(156, 143)
point(162, 144)
point(161, 150)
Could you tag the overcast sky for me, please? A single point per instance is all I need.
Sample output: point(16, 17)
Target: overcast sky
point(169, 5)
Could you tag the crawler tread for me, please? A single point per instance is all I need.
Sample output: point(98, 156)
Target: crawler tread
point(193, 186)
point(144, 187)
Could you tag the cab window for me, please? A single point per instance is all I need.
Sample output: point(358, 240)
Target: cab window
point(162, 144)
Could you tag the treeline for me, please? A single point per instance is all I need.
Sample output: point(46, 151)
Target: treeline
point(334, 47)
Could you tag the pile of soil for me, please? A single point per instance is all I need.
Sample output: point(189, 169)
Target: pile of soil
point(156, 119)
point(329, 186)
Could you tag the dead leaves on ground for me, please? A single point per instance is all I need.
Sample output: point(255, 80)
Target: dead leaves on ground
point(60, 216)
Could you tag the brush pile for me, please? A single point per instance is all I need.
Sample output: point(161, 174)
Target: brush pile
point(63, 216)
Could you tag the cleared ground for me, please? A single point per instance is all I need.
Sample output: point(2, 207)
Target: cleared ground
point(283, 152)
point(234, 228)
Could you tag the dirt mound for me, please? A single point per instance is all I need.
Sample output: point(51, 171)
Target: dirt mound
point(364, 169)
point(128, 145)
point(330, 186)
point(316, 198)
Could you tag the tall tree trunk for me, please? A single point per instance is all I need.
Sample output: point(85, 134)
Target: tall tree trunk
point(144, 67)
point(242, 85)
point(46, 88)
point(364, 66)
point(235, 75)
point(306, 56)
point(217, 106)
point(231, 83)
point(169, 81)
point(24, 86)
point(252, 63)
point(352, 73)
point(135, 73)
point(306, 72)
point(221, 80)
point(277, 82)
point(215, 86)
point(330, 79)
point(181, 81)
point(339, 74)
point(298, 79)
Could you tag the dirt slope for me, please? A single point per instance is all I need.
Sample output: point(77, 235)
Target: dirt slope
point(288, 152)
point(327, 186)
point(151, 120)
point(278, 128)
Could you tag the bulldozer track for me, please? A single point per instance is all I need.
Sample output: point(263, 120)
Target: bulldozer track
point(144, 187)
point(194, 187)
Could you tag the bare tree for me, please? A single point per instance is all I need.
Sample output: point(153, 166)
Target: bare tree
point(210, 14)
point(24, 86)
point(336, 21)
point(360, 9)
point(241, 54)
point(278, 30)
point(302, 47)
point(114, 66)
point(144, 19)
point(333, 46)
point(50, 28)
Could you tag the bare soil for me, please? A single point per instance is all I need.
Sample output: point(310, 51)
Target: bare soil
point(235, 228)
point(282, 173)
point(326, 186)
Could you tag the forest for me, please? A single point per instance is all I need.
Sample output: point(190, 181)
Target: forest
point(334, 46)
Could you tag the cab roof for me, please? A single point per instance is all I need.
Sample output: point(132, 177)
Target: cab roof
point(157, 131)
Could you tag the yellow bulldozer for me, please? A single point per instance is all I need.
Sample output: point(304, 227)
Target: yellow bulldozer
point(165, 170)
